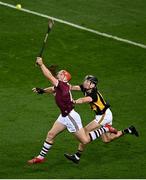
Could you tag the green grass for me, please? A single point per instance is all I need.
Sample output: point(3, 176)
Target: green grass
point(25, 117)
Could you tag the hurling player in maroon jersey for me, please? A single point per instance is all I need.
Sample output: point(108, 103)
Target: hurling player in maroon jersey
point(68, 118)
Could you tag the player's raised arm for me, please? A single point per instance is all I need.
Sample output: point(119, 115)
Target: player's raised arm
point(46, 71)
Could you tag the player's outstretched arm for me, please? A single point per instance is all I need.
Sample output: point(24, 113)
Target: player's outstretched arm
point(46, 71)
point(49, 90)
point(75, 88)
point(87, 99)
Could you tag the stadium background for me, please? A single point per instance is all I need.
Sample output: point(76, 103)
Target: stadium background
point(25, 117)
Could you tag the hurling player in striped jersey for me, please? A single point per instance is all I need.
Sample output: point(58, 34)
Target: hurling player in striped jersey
point(103, 116)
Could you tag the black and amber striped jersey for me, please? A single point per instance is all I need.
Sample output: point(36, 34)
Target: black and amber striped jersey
point(98, 105)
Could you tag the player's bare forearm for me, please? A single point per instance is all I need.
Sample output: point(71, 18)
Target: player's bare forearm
point(83, 100)
point(75, 88)
point(49, 90)
point(46, 71)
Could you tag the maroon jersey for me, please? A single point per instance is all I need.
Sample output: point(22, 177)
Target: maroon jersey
point(63, 98)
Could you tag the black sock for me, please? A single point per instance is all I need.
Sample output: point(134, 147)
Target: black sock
point(126, 131)
point(78, 153)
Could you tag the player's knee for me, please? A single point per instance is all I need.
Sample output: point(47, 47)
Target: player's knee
point(85, 141)
point(86, 131)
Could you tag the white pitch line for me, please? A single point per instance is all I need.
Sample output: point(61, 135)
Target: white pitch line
point(77, 26)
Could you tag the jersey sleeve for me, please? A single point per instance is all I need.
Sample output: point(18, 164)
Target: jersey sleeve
point(59, 85)
point(93, 95)
point(82, 88)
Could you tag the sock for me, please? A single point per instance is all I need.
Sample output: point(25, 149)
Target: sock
point(127, 131)
point(78, 154)
point(44, 150)
point(97, 133)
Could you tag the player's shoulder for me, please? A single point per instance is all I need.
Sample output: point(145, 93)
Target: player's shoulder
point(62, 84)
point(93, 91)
point(82, 88)
point(93, 94)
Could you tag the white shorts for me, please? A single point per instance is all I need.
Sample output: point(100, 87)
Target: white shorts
point(106, 118)
point(72, 121)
